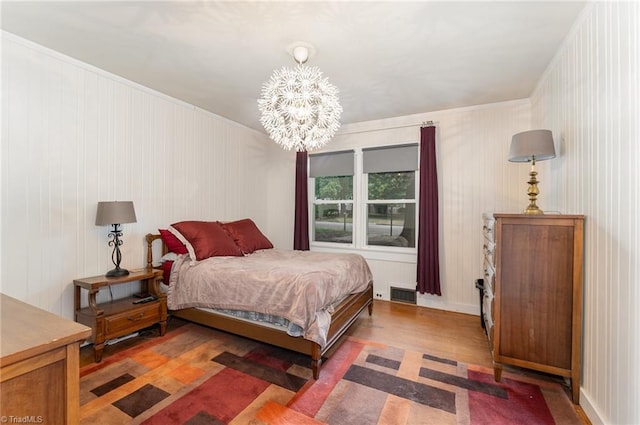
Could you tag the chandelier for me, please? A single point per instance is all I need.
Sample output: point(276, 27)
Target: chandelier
point(300, 108)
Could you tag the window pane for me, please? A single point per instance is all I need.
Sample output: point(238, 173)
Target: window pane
point(398, 185)
point(334, 188)
point(333, 222)
point(391, 225)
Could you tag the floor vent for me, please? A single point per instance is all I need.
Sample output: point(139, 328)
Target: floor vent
point(403, 295)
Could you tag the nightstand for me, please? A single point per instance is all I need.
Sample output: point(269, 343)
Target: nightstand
point(120, 317)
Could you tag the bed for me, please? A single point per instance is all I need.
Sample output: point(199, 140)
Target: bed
point(340, 315)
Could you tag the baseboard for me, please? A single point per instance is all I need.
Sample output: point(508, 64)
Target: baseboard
point(590, 410)
point(431, 302)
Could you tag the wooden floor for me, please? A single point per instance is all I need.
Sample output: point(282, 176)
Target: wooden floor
point(445, 334)
point(450, 335)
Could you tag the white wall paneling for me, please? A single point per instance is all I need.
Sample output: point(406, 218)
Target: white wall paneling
point(590, 98)
point(73, 135)
point(474, 176)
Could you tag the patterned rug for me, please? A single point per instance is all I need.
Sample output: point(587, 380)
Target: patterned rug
point(195, 375)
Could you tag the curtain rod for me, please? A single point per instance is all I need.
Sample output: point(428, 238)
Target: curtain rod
point(423, 124)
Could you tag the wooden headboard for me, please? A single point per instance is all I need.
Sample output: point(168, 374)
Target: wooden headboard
point(150, 238)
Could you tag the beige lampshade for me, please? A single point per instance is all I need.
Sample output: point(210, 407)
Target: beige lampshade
point(115, 212)
point(526, 145)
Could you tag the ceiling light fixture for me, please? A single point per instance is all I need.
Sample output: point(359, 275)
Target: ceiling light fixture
point(300, 108)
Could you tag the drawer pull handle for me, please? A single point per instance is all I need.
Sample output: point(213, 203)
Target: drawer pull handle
point(136, 318)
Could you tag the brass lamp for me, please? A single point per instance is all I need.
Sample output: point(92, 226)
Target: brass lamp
point(532, 146)
point(115, 213)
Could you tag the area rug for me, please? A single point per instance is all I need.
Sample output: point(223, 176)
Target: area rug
point(195, 375)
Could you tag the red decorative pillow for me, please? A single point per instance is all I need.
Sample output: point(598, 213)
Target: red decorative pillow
point(166, 271)
point(204, 239)
point(247, 236)
point(173, 244)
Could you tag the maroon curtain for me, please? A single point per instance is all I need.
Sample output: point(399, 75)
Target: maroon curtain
point(428, 257)
point(301, 219)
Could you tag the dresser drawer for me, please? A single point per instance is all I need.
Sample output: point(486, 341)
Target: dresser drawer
point(132, 320)
point(489, 275)
point(487, 307)
point(488, 224)
point(488, 250)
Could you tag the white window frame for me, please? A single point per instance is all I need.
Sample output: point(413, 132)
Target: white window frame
point(366, 202)
point(359, 231)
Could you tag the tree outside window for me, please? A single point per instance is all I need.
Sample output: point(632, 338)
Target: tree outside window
point(333, 209)
point(391, 209)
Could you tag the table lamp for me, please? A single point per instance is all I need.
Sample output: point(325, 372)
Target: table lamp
point(532, 146)
point(115, 213)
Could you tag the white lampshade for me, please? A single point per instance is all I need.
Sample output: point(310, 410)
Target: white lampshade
point(529, 144)
point(115, 212)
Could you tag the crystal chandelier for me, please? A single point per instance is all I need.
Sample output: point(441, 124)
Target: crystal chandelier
point(300, 108)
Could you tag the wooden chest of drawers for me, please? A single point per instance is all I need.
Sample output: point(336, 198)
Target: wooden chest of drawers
point(533, 292)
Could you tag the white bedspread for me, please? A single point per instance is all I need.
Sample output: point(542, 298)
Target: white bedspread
point(300, 286)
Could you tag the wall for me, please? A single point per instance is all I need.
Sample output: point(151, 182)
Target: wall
point(474, 176)
point(590, 99)
point(73, 135)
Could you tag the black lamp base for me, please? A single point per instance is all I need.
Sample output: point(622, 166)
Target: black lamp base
point(117, 272)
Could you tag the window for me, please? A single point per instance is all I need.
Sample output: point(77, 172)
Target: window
point(333, 197)
point(382, 213)
point(391, 209)
point(390, 173)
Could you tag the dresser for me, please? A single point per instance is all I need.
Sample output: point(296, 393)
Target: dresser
point(39, 365)
point(533, 293)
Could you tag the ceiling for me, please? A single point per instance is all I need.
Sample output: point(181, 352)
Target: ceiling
point(387, 59)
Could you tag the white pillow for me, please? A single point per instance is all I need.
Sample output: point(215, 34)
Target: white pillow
point(169, 256)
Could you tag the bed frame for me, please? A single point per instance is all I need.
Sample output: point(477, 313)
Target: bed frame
point(341, 320)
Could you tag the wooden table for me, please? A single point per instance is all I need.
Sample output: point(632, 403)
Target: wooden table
point(120, 317)
point(39, 365)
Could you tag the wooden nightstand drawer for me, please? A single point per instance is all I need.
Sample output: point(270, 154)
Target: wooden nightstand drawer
point(132, 320)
